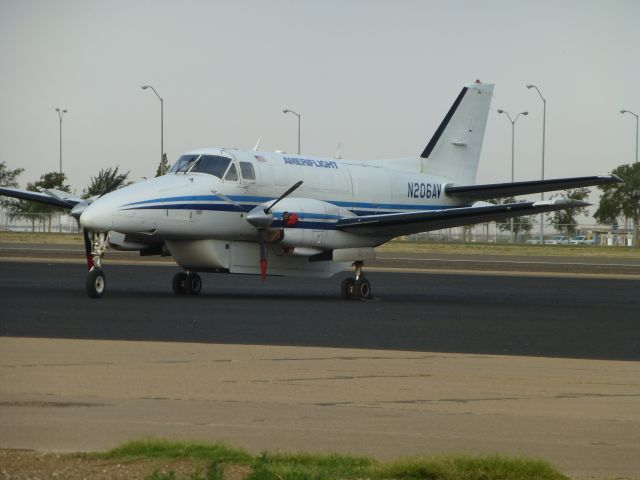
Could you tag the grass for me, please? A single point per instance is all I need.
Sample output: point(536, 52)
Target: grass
point(152, 448)
point(29, 237)
point(307, 466)
point(469, 468)
point(399, 246)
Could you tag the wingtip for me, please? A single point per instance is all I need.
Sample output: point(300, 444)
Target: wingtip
point(611, 178)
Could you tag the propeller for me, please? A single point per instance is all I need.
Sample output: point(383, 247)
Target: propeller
point(262, 218)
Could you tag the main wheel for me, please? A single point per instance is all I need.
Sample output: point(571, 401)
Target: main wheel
point(346, 289)
point(192, 284)
point(96, 283)
point(177, 284)
point(362, 288)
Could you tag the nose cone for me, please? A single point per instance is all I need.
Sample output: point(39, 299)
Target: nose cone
point(97, 217)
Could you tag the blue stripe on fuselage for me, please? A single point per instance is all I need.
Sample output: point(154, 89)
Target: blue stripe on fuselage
point(252, 201)
point(357, 208)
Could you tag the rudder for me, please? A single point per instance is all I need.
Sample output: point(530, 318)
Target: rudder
point(454, 150)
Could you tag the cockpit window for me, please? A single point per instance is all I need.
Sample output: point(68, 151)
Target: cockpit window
point(182, 162)
point(232, 173)
point(211, 164)
point(248, 173)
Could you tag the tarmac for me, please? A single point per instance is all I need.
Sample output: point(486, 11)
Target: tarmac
point(80, 395)
point(445, 360)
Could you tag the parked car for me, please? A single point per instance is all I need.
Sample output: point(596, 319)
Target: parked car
point(583, 240)
point(535, 240)
point(558, 240)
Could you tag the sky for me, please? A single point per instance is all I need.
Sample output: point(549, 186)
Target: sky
point(376, 76)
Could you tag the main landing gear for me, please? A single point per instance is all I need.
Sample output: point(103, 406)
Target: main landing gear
point(358, 287)
point(96, 283)
point(188, 283)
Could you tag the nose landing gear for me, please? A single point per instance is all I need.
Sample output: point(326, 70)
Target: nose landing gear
point(96, 283)
point(358, 287)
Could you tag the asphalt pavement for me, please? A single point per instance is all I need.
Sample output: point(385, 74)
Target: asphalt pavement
point(594, 318)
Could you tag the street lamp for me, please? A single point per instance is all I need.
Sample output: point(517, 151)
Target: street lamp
point(544, 128)
point(635, 227)
point(286, 110)
point(144, 87)
point(61, 111)
point(513, 129)
point(635, 115)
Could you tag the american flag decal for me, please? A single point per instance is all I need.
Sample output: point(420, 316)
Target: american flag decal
point(260, 158)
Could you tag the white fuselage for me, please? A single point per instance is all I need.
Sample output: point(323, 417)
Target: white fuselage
point(183, 209)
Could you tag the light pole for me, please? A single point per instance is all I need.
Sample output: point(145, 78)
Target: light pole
point(286, 110)
point(544, 130)
point(144, 87)
point(635, 115)
point(635, 227)
point(513, 129)
point(61, 111)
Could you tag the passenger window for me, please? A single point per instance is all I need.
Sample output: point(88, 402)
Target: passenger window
point(248, 173)
point(232, 173)
point(212, 164)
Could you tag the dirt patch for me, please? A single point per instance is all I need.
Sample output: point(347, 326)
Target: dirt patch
point(29, 465)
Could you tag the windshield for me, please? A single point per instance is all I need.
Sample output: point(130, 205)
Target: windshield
point(211, 164)
point(182, 163)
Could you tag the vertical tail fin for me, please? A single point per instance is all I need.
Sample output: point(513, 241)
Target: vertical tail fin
point(454, 149)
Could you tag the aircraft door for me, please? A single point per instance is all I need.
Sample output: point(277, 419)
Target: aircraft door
point(232, 176)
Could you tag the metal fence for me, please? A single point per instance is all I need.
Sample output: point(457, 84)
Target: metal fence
point(38, 222)
point(605, 235)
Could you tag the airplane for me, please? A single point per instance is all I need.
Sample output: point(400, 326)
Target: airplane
point(230, 210)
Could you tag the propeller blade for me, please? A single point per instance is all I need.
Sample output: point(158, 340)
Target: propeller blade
point(284, 195)
point(263, 255)
point(87, 248)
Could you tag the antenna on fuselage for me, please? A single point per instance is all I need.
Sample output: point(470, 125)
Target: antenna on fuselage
point(338, 154)
point(257, 145)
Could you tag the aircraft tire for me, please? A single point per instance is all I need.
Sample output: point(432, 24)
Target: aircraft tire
point(178, 282)
point(362, 289)
point(96, 283)
point(192, 284)
point(346, 289)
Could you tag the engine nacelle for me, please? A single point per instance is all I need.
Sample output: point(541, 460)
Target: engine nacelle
point(308, 225)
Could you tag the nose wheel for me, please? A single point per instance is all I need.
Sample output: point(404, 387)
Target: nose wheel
point(358, 287)
point(96, 283)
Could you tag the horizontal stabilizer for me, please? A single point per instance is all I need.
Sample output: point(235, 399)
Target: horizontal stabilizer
point(499, 190)
point(396, 224)
point(56, 198)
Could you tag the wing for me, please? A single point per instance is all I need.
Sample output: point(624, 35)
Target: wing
point(57, 198)
point(497, 190)
point(395, 224)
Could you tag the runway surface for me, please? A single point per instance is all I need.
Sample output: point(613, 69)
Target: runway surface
point(488, 314)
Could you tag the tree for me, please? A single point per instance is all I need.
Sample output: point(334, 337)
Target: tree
point(8, 178)
point(621, 199)
point(34, 211)
point(565, 220)
point(521, 225)
point(106, 181)
point(163, 166)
